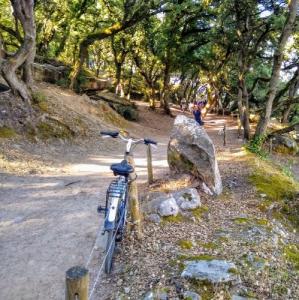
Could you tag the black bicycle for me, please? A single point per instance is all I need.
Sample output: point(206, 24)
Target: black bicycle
point(117, 196)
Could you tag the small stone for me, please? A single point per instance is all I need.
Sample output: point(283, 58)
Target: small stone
point(119, 282)
point(127, 290)
point(149, 296)
point(191, 296)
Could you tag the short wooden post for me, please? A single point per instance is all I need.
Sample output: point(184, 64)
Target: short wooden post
point(270, 145)
point(224, 135)
point(77, 282)
point(150, 176)
point(239, 126)
point(135, 212)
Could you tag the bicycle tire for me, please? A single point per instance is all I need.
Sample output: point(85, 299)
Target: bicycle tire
point(110, 246)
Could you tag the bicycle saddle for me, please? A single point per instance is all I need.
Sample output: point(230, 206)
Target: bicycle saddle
point(122, 168)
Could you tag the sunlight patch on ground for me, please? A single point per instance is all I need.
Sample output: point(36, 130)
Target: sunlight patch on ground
point(240, 154)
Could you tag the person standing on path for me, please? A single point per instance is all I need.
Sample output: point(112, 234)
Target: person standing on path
point(197, 115)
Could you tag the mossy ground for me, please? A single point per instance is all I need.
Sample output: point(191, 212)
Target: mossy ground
point(291, 253)
point(173, 219)
point(53, 129)
point(39, 99)
point(199, 211)
point(7, 132)
point(185, 244)
point(278, 187)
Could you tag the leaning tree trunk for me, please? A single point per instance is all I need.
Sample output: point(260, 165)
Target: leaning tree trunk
point(23, 11)
point(278, 58)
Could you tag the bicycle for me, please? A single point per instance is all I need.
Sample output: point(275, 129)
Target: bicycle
point(117, 196)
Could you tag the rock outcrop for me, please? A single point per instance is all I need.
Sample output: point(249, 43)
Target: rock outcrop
point(191, 151)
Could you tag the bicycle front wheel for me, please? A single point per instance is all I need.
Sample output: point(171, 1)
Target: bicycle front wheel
point(110, 247)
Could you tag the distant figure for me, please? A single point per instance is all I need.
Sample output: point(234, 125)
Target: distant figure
point(197, 115)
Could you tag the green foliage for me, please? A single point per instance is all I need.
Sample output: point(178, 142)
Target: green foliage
point(256, 146)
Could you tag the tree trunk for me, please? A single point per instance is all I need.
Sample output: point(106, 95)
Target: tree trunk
point(165, 92)
point(278, 57)
point(286, 113)
point(23, 11)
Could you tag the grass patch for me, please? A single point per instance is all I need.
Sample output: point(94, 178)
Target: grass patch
point(279, 188)
point(185, 244)
point(291, 253)
point(173, 219)
point(7, 132)
point(39, 99)
point(199, 211)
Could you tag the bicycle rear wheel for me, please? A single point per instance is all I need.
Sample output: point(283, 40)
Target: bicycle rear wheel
point(110, 246)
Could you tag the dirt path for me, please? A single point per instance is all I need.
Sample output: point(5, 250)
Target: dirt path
point(48, 222)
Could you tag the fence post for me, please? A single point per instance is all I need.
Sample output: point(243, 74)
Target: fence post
point(239, 126)
point(224, 135)
point(150, 176)
point(133, 201)
point(270, 145)
point(77, 281)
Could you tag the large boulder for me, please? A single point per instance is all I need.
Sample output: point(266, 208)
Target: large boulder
point(191, 151)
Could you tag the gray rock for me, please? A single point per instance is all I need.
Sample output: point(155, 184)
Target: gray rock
point(188, 295)
point(215, 271)
point(187, 198)
point(168, 207)
point(286, 141)
point(155, 295)
point(237, 297)
point(190, 150)
point(153, 200)
point(155, 218)
point(149, 296)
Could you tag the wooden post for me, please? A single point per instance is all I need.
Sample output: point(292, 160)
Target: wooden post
point(150, 176)
point(270, 145)
point(224, 135)
point(239, 126)
point(133, 202)
point(77, 282)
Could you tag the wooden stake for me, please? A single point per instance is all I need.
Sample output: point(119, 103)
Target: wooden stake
point(224, 135)
point(270, 145)
point(77, 282)
point(150, 176)
point(135, 212)
point(239, 126)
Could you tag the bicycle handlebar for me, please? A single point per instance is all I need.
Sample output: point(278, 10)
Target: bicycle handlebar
point(115, 134)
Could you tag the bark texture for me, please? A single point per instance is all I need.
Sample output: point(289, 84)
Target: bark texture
point(278, 58)
point(23, 11)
